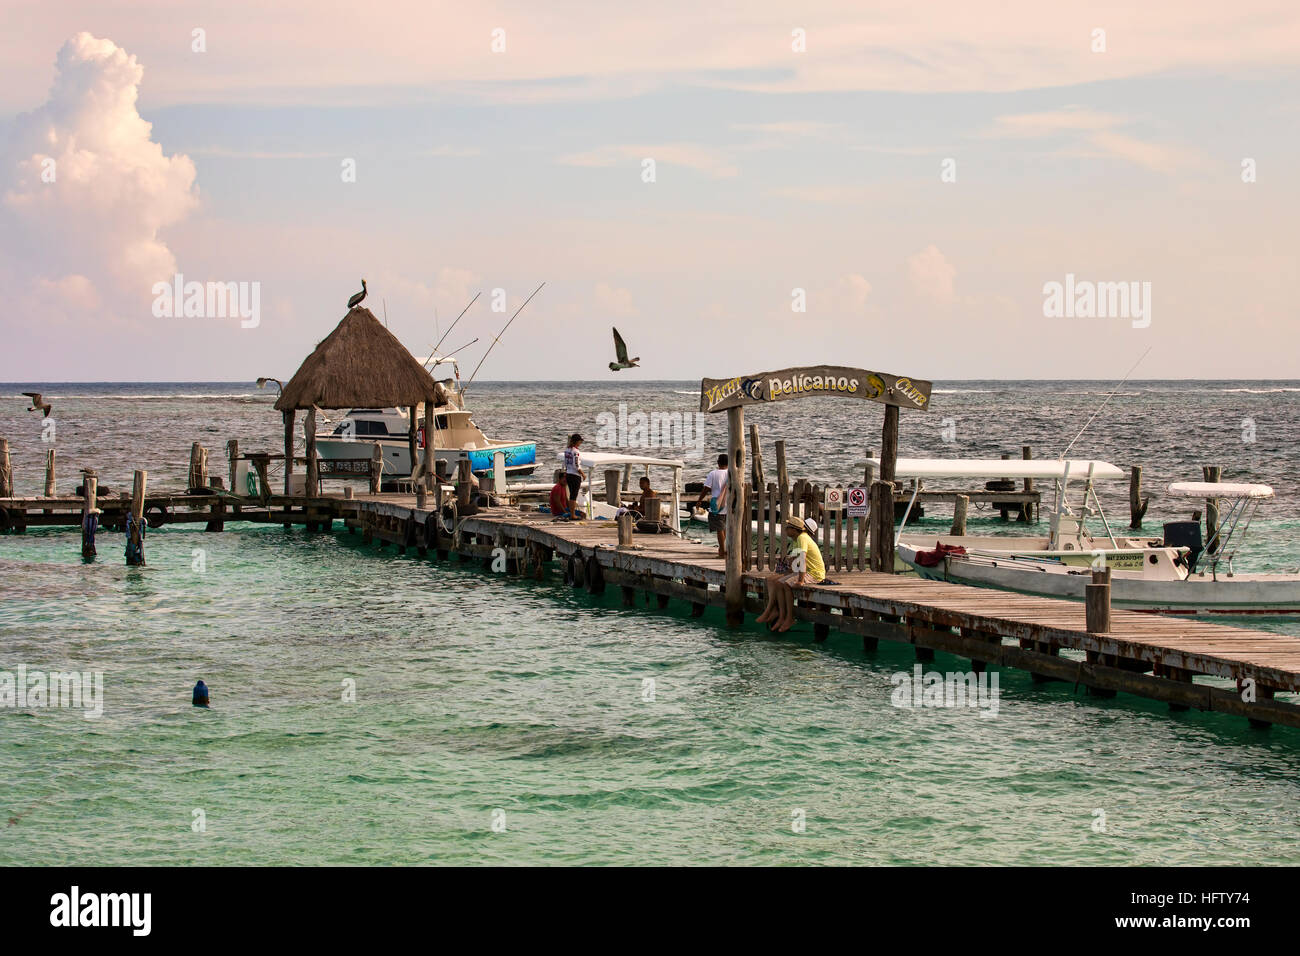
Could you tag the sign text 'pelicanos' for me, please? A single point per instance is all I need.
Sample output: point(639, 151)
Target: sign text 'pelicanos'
point(718, 394)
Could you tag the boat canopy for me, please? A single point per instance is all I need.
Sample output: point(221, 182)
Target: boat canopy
point(613, 458)
point(1216, 489)
point(1045, 468)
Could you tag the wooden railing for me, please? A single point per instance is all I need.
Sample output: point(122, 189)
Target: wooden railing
point(841, 536)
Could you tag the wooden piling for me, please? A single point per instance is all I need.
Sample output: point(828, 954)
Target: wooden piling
point(613, 493)
point(49, 473)
point(1027, 509)
point(1097, 602)
point(135, 528)
point(737, 516)
point(1137, 505)
point(288, 452)
point(756, 454)
point(6, 471)
point(625, 530)
point(89, 516)
point(198, 472)
point(889, 452)
point(412, 439)
point(881, 513)
point(376, 468)
point(1212, 473)
point(959, 509)
point(232, 452)
point(463, 489)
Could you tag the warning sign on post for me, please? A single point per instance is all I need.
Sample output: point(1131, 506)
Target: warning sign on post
point(857, 503)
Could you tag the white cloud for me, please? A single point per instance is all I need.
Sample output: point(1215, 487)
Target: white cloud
point(931, 276)
point(707, 160)
point(90, 238)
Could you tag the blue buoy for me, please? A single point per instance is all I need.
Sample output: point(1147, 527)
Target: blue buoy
point(200, 694)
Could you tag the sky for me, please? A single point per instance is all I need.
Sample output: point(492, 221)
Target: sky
point(738, 187)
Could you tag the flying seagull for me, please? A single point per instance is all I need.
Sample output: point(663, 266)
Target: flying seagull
point(38, 404)
point(356, 298)
point(620, 347)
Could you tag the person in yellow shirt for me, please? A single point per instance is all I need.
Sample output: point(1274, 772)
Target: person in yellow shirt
point(805, 567)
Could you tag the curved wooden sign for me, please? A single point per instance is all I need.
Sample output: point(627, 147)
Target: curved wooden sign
point(719, 394)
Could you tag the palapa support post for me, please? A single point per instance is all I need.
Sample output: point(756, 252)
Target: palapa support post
point(1212, 473)
point(881, 515)
point(312, 487)
point(6, 471)
point(135, 526)
point(376, 468)
point(736, 514)
point(960, 506)
point(1097, 602)
point(49, 473)
point(411, 438)
point(89, 514)
point(612, 491)
point(1137, 505)
point(289, 417)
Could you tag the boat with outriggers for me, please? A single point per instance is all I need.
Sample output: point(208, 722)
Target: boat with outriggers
point(455, 435)
point(1172, 574)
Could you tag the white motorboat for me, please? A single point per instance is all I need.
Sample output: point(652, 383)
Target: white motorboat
point(1165, 575)
point(455, 435)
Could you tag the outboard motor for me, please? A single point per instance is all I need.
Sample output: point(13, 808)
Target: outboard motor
point(1185, 534)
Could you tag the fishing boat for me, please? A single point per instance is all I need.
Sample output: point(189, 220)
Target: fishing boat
point(455, 435)
point(1165, 575)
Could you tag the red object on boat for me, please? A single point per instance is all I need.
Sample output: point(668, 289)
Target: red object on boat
point(929, 559)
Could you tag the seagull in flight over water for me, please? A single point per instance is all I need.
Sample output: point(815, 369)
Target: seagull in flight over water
point(620, 348)
point(38, 404)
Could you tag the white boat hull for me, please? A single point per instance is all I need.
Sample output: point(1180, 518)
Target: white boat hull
point(1238, 595)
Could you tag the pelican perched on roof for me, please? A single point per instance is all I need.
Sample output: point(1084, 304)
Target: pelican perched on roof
point(357, 297)
point(38, 404)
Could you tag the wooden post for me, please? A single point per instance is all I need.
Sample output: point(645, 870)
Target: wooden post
point(1027, 510)
point(196, 453)
point(463, 476)
point(868, 472)
point(613, 495)
point(757, 452)
point(1097, 602)
point(288, 453)
point(1137, 505)
point(882, 526)
point(376, 467)
point(959, 508)
point(624, 528)
point(1003, 509)
point(1212, 473)
point(312, 487)
point(411, 438)
point(736, 514)
point(49, 473)
point(90, 489)
point(889, 448)
point(135, 530)
point(6, 471)
point(232, 450)
point(263, 488)
point(782, 483)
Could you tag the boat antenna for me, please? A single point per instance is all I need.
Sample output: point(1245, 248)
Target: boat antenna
point(497, 338)
point(1103, 404)
point(385, 301)
point(461, 349)
point(458, 318)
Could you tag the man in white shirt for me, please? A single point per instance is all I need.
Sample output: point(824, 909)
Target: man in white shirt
point(715, 486)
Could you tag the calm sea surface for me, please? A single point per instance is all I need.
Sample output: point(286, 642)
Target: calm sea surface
point(504, 721)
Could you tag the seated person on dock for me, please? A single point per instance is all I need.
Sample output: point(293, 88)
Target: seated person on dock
point(805, 567)
point(642, 507)
point(560, 505)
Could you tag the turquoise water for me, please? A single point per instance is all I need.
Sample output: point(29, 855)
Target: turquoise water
point(478, 695)
point(475, 693)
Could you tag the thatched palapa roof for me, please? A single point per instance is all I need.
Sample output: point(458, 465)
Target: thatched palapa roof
point(358, 365)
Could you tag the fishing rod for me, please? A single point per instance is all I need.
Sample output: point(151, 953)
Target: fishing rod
point(1103, 404)
point(461, 349)
point(458, 318)
point(497, 338)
